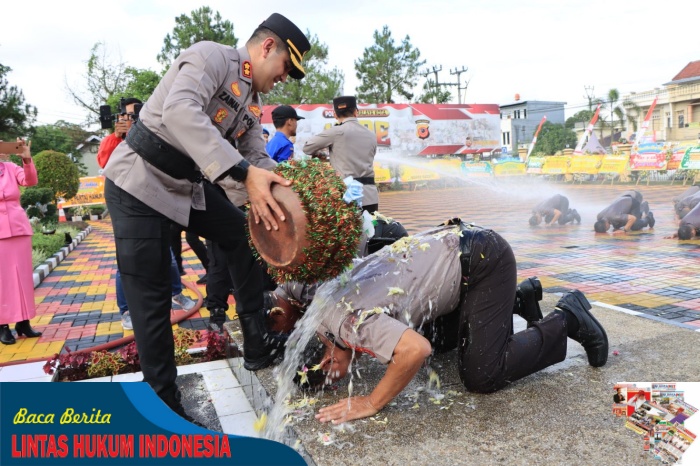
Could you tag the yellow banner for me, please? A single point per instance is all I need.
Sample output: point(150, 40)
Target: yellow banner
point(417, 174)
point(382, 175)
point(91, 192)
point(614, 164)
point(588, 164)
point(556, 164)
point(447, 166)
point(509, 168)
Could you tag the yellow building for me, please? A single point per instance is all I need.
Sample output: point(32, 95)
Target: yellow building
point(677, 113)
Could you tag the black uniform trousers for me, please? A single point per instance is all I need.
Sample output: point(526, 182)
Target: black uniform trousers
point(142, 238)
point(490, 355)
point(193, 240)
point(218, 278)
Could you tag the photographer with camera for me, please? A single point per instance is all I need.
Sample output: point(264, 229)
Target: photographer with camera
point(128, 113)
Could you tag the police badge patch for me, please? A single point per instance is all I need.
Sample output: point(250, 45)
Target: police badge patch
point(247, 69)
point(255, 110)
point(221, 114)
point(235, 89)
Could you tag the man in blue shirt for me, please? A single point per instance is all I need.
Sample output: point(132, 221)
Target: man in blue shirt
point(280, 148)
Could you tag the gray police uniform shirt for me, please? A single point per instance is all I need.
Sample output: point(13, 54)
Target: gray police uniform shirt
point(687, 193)
point(692, 218)
point(402, 286)
point(617, 212)
point(558, 201)
point(690, 202)
point(352, 151)
point(203, 106)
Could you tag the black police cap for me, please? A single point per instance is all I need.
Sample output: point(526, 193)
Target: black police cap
point(344, 102)
point(285, 112)
point(296, 41)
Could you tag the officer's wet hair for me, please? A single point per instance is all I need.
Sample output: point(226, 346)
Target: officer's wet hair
point(311, 357)
point(262, 33)
point(533, 221)
point(600, 226)
point(685, 231)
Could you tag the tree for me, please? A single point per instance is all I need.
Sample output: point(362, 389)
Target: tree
point(16, 116)
point(434, 94)
point(319, 86)
point(60, 137)
point(584, 116)
point(190, 30)
point(107, 82)
point(614, 109)
point(554, 137)
point(139, 84)
point(387, 69)
point(57, 172)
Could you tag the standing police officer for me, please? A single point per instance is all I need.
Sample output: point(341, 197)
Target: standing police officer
point(201, 124)
point(352, 149)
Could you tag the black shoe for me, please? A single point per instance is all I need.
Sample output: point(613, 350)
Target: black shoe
point(217, 319)
point(651, 221)
point(575, 215)
point(23, 328)
point(172, 400)
point(260, 348)
point(644, 207)
point(6, 337)
point(202, 280)
point(527, 297)
point(590, 333)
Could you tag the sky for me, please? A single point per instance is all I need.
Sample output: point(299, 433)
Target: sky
point(539, 49)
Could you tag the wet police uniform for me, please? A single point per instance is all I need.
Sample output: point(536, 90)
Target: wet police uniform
point(352, 151)
point(628, 203)
point(469, 281)
point(205, 109)
point(692, 218)
point(558, 202)
point(688, 202)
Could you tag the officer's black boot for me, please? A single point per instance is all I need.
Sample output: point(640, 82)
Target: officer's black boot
point(259, 347)
point(217, 318)
point(527, 298)
point(651, 221)
point(575, 216)
point(588, 332)
point(6, 337)
point(172, 399)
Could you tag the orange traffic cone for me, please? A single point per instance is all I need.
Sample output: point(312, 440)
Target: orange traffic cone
point(61, 213)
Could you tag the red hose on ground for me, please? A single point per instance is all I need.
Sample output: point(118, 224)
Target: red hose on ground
point(176, 319)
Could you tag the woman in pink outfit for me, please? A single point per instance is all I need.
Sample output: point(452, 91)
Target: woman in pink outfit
point(16, 277)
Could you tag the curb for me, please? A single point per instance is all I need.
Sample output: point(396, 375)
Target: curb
point(42, 271)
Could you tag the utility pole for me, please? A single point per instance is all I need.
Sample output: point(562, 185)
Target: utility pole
point(590, 96)
point(459, 85)
point(435, 71)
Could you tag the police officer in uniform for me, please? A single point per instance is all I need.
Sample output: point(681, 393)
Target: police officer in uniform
point(201, 125)
point(554, 209)
point(629, 212)
point(463, 275)
point(352, 149)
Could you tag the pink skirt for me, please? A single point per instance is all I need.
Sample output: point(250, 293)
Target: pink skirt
point(16, 280)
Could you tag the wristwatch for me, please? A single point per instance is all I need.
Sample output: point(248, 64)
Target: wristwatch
point(239, 172)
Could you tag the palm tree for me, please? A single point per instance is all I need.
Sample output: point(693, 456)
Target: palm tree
point(628, 110)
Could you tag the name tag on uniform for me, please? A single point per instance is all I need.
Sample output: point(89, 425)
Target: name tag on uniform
point(198, 201)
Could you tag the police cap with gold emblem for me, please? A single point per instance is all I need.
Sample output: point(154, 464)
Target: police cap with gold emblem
point(296, 41)
point(346, 102)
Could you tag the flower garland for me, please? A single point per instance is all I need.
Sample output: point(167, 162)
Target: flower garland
point(334, 227)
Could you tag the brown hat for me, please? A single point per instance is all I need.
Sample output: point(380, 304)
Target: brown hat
point(344, 102)
point(284, 113)
point(296, 41)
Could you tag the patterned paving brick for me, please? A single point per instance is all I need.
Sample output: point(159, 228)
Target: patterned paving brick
point(76, 303)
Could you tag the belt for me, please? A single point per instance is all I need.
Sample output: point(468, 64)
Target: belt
point(365, 179)
point(161, 155)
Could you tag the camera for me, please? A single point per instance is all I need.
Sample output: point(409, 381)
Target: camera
point(107, 118)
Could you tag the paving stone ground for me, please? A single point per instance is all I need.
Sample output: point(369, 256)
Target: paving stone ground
point(76, 303)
